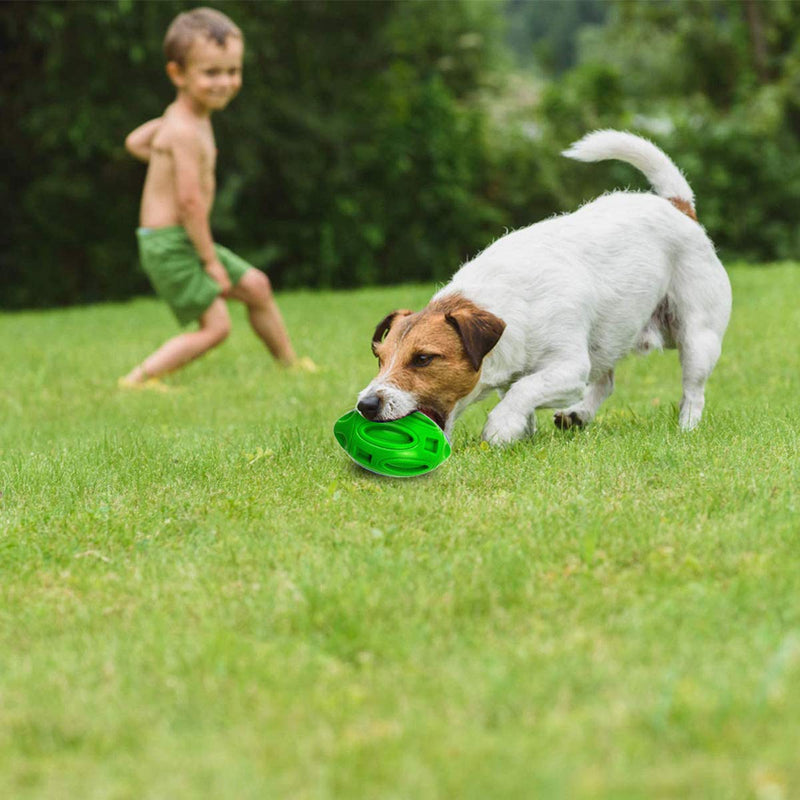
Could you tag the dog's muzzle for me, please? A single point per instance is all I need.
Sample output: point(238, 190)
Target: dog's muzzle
point(369, 406)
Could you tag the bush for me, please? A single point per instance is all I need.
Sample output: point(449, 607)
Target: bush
point(366, 156)
point(727, 113)
point(348, 159)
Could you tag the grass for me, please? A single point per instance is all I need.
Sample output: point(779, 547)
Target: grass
point(200, 596)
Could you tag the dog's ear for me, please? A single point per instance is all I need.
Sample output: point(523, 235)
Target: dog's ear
point(479, 330)
point(383, 326)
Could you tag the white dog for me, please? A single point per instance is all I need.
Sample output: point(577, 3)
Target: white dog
point(544, 314)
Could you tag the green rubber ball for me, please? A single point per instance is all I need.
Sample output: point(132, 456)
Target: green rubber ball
point(400, 448)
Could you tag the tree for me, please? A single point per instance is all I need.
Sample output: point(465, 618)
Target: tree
point(717, 84)
point(353, 155)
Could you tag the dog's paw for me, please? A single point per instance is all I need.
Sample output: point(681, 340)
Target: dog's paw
point(689, 418)
point(505, 427)
point(691, 411)
point(568, 419)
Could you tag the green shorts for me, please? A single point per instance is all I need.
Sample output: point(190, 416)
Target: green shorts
point(171, 263)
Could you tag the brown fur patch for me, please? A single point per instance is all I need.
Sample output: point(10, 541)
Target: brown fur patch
point(685, 206)
point(383, 326)
point(479, 330)
point(437, 331)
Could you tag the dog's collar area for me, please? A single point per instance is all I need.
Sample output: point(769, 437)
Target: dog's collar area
point(433, 415)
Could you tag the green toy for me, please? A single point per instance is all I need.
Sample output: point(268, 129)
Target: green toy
point(401, 448)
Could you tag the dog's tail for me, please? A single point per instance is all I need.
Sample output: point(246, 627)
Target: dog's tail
point(664, 176)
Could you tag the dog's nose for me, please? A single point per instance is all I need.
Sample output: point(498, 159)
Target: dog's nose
point(368, 406)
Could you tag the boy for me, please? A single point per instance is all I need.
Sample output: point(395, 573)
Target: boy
point(204, 52)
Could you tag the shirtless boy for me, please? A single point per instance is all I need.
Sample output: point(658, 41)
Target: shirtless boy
point(204, 52)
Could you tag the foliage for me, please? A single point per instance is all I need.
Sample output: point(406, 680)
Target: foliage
point(543, 35)
point(71, 194)
point(203, 598)
point(363, 165)
point(367, 146)
point(348, 159)
point(718, 87)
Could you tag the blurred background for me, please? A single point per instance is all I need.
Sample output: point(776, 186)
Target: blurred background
point(385, 142)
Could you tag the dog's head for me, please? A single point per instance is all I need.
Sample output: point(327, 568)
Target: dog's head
point(430, 360)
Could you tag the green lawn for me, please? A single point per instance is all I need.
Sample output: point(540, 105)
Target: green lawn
point(202, 597)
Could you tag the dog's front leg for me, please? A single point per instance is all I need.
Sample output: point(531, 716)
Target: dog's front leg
point(554, 386)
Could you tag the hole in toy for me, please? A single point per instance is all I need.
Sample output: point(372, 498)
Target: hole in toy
point(407, 467)
point(386, 434)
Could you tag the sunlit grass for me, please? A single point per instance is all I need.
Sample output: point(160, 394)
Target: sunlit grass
point(201, 596)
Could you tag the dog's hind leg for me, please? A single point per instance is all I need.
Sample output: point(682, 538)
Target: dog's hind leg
point(584, 412)
point(699, 351)
point(700, 310)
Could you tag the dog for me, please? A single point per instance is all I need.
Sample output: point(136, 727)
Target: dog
point(544, 313)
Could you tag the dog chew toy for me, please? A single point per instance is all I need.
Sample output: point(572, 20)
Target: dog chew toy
point(400, 448)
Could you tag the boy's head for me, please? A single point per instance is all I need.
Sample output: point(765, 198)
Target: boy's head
point(204, 23)
point(204, 51)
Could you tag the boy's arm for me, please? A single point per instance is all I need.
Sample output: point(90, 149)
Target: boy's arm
point(193, 207)
point(139, 141)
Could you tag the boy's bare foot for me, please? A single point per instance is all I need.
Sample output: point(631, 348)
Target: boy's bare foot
point(151, 384)
point(303, 364)
point(137, 379)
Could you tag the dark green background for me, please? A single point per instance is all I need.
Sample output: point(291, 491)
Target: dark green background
point(383, 142)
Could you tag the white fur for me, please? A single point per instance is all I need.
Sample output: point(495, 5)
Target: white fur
point(664, 176)
point(580, 291)
point(395, 402)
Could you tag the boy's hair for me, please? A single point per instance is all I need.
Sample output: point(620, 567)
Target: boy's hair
point(186, 27)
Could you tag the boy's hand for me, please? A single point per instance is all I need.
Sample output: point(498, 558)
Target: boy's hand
point(216, 271)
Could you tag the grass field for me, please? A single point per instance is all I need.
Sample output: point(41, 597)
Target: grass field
point(201, 597)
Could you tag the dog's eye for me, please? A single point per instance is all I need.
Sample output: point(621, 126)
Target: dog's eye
point(422, 359)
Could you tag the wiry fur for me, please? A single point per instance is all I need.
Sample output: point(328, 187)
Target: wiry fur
point(628, 271)
point(665, 178)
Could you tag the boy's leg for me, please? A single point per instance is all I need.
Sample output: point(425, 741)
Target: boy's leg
point(255, 291)
point(215, 325)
